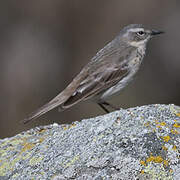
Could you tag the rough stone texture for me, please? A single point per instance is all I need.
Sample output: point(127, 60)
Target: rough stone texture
point(137, 143)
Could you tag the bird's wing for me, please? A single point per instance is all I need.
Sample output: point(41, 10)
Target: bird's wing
point(97, 83)
point(101, 75)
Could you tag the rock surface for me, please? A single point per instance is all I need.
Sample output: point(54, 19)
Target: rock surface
point(137, 143)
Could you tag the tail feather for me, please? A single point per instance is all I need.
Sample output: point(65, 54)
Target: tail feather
point(42, 110)
point(59, 100)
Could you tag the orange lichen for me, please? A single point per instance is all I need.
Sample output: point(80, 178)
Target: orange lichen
point(147, 124)
point(165, 162)
point(158, 126)
point(72, 125)
point(143, 163)
point(27, 146)
point(166, 138)
point(162, 124)
point(174, 148)
point(174, 131)
point(156, 159)
point(42, 130)
point(176, 125)
point(142, 172)
point(65, 127)
point(178, 114)
point(156, 121)
point(41, 140)
point(164, 148)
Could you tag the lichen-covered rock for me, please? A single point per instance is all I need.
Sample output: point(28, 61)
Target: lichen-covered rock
point(138, 143)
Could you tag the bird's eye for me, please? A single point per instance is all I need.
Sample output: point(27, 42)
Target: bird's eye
point(140, 33)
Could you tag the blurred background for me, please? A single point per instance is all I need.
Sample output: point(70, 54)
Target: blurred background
point(44, 44)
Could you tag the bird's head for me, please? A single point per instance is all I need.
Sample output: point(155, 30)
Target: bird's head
point(137, 35)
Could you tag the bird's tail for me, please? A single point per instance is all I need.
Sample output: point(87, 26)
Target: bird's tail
point(60, 100)
point(57, 101)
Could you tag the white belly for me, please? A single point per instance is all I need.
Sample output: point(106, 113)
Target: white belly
point(120, 85)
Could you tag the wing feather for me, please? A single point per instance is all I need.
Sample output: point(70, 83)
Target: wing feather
point(97, 83)
point(102, 74)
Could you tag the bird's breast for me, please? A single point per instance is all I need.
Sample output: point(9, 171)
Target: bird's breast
point(134, 63)
point(120, 85)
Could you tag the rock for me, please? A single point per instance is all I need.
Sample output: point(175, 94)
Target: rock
point(137, 143)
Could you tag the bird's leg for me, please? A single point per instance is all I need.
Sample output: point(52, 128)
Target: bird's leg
point(110, 105)
point(105, 109)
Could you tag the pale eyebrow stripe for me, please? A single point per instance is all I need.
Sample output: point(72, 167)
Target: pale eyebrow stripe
point(136, 30)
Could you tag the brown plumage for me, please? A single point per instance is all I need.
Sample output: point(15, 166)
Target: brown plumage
point(106, 74)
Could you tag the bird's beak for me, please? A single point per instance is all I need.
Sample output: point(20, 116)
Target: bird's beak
point(155, 32)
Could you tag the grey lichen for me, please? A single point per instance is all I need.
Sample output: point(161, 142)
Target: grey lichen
point(137, 143)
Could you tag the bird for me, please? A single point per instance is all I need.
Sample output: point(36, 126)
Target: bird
point(107, 73)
